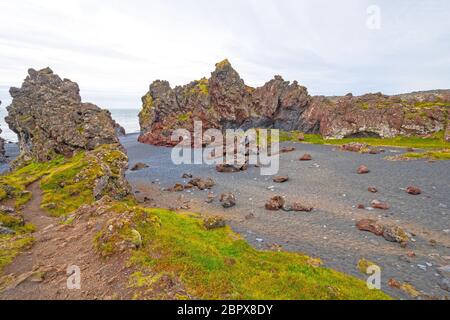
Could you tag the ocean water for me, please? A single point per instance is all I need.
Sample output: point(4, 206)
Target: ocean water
point(127, 118)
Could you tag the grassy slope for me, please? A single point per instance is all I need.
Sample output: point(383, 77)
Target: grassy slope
point(215, 264)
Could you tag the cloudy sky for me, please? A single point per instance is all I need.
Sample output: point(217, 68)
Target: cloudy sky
point(114, 49)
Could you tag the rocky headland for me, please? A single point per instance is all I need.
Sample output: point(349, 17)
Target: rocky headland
point(225, 101)
point(2, 147)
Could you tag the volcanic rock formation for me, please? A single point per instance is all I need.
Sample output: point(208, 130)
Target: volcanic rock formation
point(49, 118)
point(225, 101)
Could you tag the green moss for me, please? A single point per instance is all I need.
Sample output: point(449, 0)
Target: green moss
point(431, 104)
point(145, 116)
point(223, 64)
point(436, 141)
point(10, 246)
point(219, 264)
point(184, 117)
point(432, 155)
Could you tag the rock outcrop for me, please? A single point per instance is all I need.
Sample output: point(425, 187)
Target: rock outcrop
point(225, 101)
point(49, 118)
point(379, 115)
point(2, 147)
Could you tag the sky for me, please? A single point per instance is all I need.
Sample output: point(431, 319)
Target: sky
point(115, 49)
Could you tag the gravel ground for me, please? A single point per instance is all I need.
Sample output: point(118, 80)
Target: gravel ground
point(331, 185)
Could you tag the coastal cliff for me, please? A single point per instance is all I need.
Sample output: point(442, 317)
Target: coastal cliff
point(225, 101)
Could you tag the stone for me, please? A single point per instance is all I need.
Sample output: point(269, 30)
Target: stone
point(394, 284)
point(287, 149)
point(363, 170)
point(413, 190)
point(139, 166)
point(202, 184)
point(212, 223)
point(228, 200)
point(2, 148)
point(354, 147)
point(371, 226)
point(211, 197)
point(306, 157)
point(49, 118)
point(297, 207)
point(7, 210)
point(229, 168)
point(373, 190)
point(280, 179)
point(187, 176)
point(376, 204)
point(275, 203)
point(361, 206)
point(178, 187)
point(301, 137)
point(396, 234)
point(8, 231)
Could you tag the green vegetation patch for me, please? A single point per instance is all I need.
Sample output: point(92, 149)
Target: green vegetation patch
point(436, 141)
point(219, 264)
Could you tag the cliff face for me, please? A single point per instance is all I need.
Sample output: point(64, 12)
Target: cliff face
point(224, 101)
point(49, 118)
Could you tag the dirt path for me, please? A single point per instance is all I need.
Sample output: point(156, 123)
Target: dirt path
point(41, 272)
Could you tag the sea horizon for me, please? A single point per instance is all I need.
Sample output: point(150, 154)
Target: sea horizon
point(127, 118)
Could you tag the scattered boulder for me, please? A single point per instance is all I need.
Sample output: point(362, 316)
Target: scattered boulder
point(394, 284)
point(280, 179)
point(231, 168)
point(306, 157)
point(354, 147)
point(202, 184)
point(376, 204)
point(363, 170)
point(178, 187)
point(414, 190)
point(228, 200)
point(212, 223)
point(301, 136)
point(361, 206)
point(275, 203)
point(139, 166)
point(49, 118)
point(187, 176)
point(373, 190)
point(297, 207)
point(396, 234)
point(7, 210)
point(287, 149)
point(370, 225)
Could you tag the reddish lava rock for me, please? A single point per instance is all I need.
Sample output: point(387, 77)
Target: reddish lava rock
point(280, 179)
point(306, 157)
point(371, 226)
point(376, 204)
point(287, 149)
point(275, 203)
point(414, 191)
point(361, 206)
point(373, 190)
point(363, 170)
point(411, 254)
point(394, 284)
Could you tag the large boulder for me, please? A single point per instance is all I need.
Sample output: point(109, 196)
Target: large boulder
point(49, 118)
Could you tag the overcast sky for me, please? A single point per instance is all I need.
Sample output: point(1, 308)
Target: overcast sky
point(115, 49)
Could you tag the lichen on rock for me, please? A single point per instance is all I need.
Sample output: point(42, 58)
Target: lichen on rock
point(49, 118)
